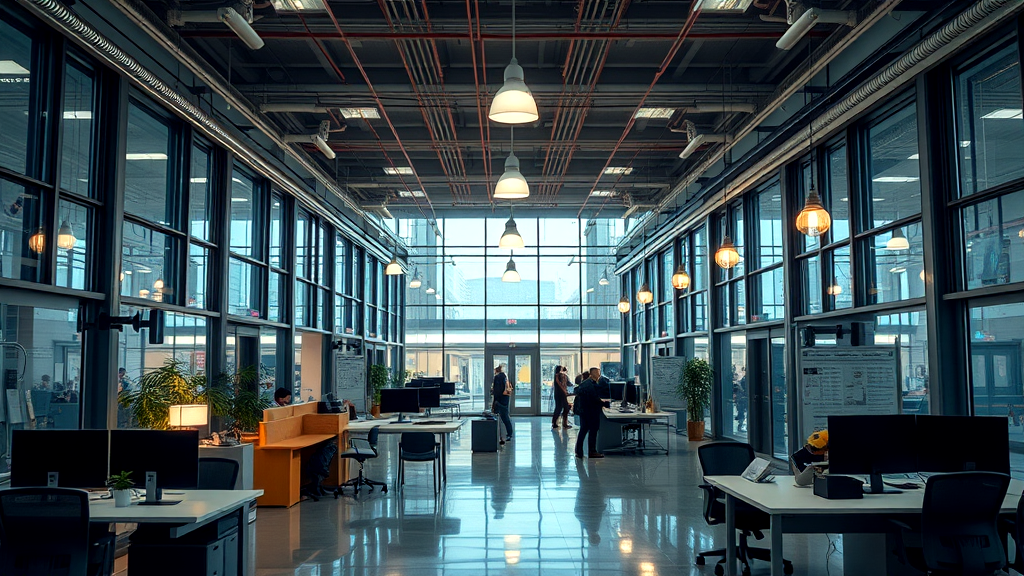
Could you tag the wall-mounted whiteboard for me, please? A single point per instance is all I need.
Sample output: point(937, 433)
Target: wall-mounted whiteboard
point(666, 372)
point(859, 380)
point(350, 380)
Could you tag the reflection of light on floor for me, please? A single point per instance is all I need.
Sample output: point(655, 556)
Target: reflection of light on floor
point(626, 546)
point(647, 569)
point(512, 552)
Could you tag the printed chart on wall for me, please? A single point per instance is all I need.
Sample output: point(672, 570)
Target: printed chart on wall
point(845, 381)
point(350, 380)
point(667, 372)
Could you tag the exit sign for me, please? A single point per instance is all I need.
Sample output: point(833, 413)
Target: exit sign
point(511, 322)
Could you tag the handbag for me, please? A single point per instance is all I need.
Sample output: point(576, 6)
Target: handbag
point(508, 389)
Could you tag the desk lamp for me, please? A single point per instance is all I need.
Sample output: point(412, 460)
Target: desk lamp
point(188, 416)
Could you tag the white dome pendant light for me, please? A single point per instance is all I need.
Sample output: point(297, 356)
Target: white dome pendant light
point(514, 103)
point(511, 238)
point(511, 274)
point(512, 185)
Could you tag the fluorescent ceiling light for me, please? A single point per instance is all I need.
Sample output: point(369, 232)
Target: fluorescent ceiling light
point(914, 157)
point(398, 170)
point(366, 113)
point(237, 181)
point(897, 269)
point(896, 179)
point(627, 170)
point(724, 6)
point(965, 143)
point(13, 68)
point(650, 112)
point(78, 115)
point(297, 5)
point(602, 193)
point(1005, 114)
point(197, 180)
point(239, 199)
point(145, 156)
point(411, 193)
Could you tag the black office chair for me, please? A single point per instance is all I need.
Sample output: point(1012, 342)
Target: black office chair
point(217, 474)
point(419, 447)
point(46, 531)
point(731, 459)
point(958, 532)
point(361, 451)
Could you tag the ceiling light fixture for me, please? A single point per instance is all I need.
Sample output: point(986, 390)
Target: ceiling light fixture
point(398, 170)
point(1005, 114)
point(415, 282)
point(726, 256)
point(66, 236)
point(895, 179)
point(512, 185)
point(393, 268)
point(511, 274)
point(514, 103)
point(898, 241)
point(813, 220)
point(624, 305)
point(12, 68)
point(644, 295)
point(680, 280)
point(603, 281)
point(655, 113)
point(617, 170)
point(430, 289)
point(145, 156)
point(240, 24)
point(834, 289)
point(602, 193)
point(298, 5)
point(37, 242)
point(511, 238)
point(801, 19)
point(723, 6)
point(364, 113)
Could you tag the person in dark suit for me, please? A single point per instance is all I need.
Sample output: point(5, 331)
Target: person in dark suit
point(587, 406)
point(502, 393)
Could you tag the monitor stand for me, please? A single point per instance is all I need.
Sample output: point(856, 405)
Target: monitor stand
point(51, 479)
point(402, 419)
point(153, 495)
point(877, 486)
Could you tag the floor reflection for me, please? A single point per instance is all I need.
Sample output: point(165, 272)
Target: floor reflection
point(531, 508)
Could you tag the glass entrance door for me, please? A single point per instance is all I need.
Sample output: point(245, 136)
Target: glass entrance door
point(523, 370)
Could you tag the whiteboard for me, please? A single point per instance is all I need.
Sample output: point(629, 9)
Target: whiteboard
point(350, 380)
point(860, 380)
point(667, 370)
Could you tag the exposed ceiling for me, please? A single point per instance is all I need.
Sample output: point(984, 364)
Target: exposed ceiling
point(427, 70)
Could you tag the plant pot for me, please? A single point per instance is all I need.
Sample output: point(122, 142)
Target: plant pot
point(694, 430)
point(375, 411)
point(122, 498)
point(249, 437)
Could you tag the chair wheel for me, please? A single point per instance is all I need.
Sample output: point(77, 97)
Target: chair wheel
point(719, 570)
point(700, 561)
point(384, 489)
point(787, 568)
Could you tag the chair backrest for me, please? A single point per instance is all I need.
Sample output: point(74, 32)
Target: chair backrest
point(217, 474)
point(44, 531)
point(371, 437)
point(958, 522)
point(418, 442)
point(41, 402)
point(724, 458)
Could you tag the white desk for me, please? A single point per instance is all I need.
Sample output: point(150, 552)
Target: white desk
point(388, 426)
point(797, 510)
point(644, 419)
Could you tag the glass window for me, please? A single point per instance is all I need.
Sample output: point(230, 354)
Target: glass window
point(276, 231)
point(146, 257)
point(199, 214)
point(274, 295)
point(243, 288)
point(700, 311)
point(994, 235)
point(77, 130)
point(147, 174)
point(303, 250)
point(840, 287)
point(198, 262)
point(810, 270)
point(895, 177)
point(769, 227)
point(895, 262)
point(465, 277)
point(739, 300)
point(340, 254)
point(997, 370)
point(780, 409)
point(838, 193)
point(735, 399)
point(767, 296)
point(809, 242)
point(18, 113)
point(557, 232)
point(23, 238)
point(910, 330)
point(302, 316)
point(700, 252)
point(989, 121)
point(243, 215)
point(73, 244)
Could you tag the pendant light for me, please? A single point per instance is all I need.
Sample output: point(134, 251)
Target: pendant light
point(514, 103)
point(727, 256)
point(681, 280)
point(813, 220)
point(834, 289)
point(603, 281)
point(511, 238)
point(37, 242)
point(898, 241)
point(430, 289)
point(644, 295)
point(511, 274)
point(624, 305)
point(512, 185)
point(393, 268)
point(415, 282)
point(66, 236)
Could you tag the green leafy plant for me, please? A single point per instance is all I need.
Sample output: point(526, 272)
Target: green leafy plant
point(120, 481)
point(695, 387)
point(399, 378)
point(171, 384)
point(378, 381)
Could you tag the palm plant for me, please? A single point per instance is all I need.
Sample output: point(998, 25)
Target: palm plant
point(247, 405)
point(171, 384)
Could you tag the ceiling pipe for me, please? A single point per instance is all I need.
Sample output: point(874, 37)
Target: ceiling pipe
point(479, 102)
point(736, 107)
point(801, 19)
point(239, 24)
point(319, 139)
point(700, 140)
point(297, 107)
point(498, 37)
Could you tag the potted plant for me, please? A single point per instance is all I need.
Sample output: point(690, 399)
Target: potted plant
point(173, 383)
point(378, 381)
point(120, 486)
point(694, 388)
point(246, 404)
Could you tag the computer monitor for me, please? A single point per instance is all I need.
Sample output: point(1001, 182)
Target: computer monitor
point(448, 388)
point(962, 444)
point(400, 400)
point(64, 458)
point(617, 390)
point(631, 394)
point(430, 397)
point(424, 381)
point(160, 458)
point(872, 445)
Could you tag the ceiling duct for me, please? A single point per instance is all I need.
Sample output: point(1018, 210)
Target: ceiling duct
point(697, 140)
point(293, 107)
point(238, 17)
point(319, 139)
point(379, 210)
point(801, 19)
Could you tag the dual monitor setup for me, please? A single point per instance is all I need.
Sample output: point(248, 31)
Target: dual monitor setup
point(908, 443)
point(86, 458)
point(628, 393)
point(419, 393)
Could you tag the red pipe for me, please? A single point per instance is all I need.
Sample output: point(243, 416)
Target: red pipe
point(479, 104)
point(483, 64)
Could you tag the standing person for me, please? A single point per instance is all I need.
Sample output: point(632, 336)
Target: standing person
point(502, 392)
point(561, 391)
point(587, 405)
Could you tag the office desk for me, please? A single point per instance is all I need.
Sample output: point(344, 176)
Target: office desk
point(796, 510)
point(392, 427)
point(196, 509)
point(609, 434)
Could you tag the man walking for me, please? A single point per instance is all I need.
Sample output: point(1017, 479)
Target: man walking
point(502, 392)
point(587, 406)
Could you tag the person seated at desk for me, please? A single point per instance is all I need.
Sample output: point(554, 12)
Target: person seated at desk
point(803, 460)
point(587, 406)
point(282, 397)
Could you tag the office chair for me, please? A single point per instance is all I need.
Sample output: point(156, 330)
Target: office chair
point(958, 532)
point(46, 531)
point(361, 451)
point(419, 447)
point(41, 406)
point(217, 474)
point(731, 459)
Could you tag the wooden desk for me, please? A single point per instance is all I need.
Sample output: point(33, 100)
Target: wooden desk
point(444, 430)
point(285, 434)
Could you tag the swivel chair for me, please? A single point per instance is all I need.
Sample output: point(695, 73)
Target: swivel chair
point(731, 459)
point(217, 474)
point(361, 451)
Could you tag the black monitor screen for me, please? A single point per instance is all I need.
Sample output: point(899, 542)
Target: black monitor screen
point(400, 400)
point(79, 457)
point(172, 454)
point(448, 388)
point(632, 394)
point(962, 444)
point(880, 444)
point(617, 389)
point(430, 397)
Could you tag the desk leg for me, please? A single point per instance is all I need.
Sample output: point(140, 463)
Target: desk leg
point(444, 458)
point(776, 536)
point(730, 535)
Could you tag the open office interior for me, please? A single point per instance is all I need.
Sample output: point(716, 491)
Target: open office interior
point(212, 208)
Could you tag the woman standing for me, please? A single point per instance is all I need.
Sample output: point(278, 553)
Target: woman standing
point(561, 390)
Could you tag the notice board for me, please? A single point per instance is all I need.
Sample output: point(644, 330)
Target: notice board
point(667, 370)
point(350, 380)
point(860, 380)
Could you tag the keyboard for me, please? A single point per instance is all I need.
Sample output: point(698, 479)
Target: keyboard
point(428, 422)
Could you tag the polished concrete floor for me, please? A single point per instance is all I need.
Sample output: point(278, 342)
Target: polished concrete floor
point(532, 508)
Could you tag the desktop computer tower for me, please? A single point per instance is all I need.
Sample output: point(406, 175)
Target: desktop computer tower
point(209, 551)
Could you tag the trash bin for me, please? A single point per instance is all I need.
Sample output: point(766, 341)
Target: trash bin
point(485, 435)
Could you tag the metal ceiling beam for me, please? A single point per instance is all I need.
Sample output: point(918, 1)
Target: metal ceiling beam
point(491, 36)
